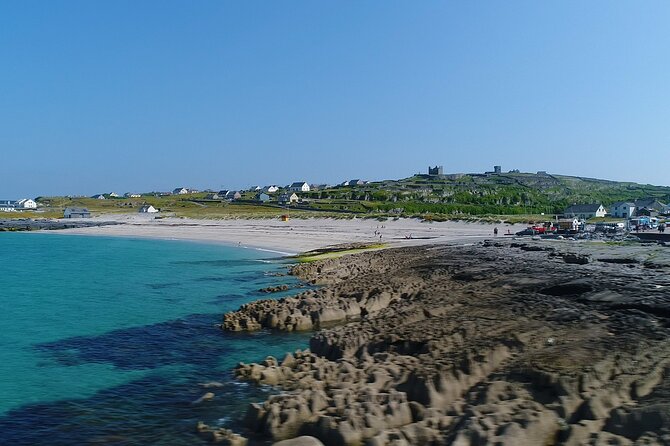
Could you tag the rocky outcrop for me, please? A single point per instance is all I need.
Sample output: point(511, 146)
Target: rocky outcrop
point(274, 289)
point(489, 344)
point(224, 437)
point(349, 298)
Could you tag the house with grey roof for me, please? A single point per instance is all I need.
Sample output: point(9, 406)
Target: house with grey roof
point(299, 186)
point(262, 197)
point(585, 211)
point(233, 195)
point(76, 213)
point(357, 182)
point(288, 199)
point(622, 209)
point(650, 203)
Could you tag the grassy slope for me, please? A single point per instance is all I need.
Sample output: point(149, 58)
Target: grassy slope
point(514, 197)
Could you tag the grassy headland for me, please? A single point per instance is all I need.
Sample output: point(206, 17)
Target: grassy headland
point(510, 197)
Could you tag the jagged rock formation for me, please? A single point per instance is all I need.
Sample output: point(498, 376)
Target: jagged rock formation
point(489, 344)
point(349, 297)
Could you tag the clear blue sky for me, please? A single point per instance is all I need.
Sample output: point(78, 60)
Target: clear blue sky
point(150, 95)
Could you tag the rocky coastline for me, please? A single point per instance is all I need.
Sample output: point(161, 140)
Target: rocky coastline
point(29, 224)
point(503, 342)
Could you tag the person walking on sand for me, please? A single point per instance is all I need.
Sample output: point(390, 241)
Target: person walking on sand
point(495, 232)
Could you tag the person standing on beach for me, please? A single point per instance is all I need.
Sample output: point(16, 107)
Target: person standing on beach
point(495, 232)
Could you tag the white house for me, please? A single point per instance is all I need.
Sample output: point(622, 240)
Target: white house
point(585, 211)
point(99, 197)
point(288, 199)
point(271, 189)
point(180, 191)
point(26, 203)
point(262, 197)
point(300, 186)
point(76, 213)
point(131, 195)
point(148, 209)
point(622, 209)
point(113, 195)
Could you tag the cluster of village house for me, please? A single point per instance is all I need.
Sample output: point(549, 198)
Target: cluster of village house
point(647, 208)
point(287, 195)
point(17, 205)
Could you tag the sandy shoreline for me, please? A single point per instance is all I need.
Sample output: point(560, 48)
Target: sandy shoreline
point(295, 235)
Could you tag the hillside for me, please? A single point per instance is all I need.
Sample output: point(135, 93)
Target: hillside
point(504, 194)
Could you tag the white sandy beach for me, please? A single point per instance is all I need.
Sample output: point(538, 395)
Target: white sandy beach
point(296, 235)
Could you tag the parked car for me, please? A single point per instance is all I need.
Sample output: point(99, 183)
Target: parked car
point(527, 231)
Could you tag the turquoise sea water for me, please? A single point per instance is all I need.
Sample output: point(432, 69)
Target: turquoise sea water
point(106, 340)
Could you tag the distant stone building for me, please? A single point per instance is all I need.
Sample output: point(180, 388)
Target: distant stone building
point(437, 170)
point(76, 213)
point(622, 209)
point(497, 169)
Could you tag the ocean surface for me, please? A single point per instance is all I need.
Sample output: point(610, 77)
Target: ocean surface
point(106, 341)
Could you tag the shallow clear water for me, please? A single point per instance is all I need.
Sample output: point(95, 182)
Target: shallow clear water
point(105, 340)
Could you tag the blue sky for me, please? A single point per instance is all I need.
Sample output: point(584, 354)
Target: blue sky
point(136, 96)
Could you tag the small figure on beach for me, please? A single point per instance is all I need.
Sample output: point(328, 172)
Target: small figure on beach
point(380, 237)
point(495, 232)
